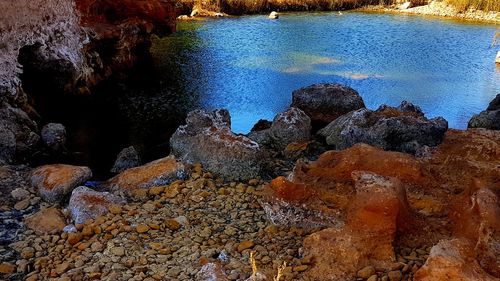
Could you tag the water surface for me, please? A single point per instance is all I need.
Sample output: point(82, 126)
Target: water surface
point(250, 65)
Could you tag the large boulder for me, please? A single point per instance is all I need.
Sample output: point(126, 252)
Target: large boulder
point(207, 139)
point(290, 126)
point(368, 236)
point(325, 102)
point(157, 173)
point(126, 159)
point(55, 182)
point(490, 118)
point(46, 221)
point(86, 204)
point(404, 129)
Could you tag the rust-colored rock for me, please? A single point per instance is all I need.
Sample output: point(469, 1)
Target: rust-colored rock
point(86, 204)
point(55, 182)
point(46, 221)
point(368, 235)
point(157, 173)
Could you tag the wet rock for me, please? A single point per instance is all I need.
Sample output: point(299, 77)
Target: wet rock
point(404, 129)
point(368, 235)
point(290, 126)
point(452, 260)
point(318, 193)
point(126, 159)
point(488, 119)
point(86, 204)
point(157, 173)
point(18, 137)
point(46, 221)
point(207, 139)
point(55, 182)
point(54, 137)
point(325, 102)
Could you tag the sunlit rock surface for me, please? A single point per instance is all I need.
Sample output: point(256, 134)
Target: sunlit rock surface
point(157, 173)
point(207, 138)
point(86, 204)
point(290, 126)
point(490, 118)
point(404, 128)
point(56, 182)
point(325, 102)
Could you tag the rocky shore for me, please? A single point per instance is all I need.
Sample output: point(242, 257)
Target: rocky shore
point(384, 194)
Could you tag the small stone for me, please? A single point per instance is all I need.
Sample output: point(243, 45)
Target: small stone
point(20, 193)
point(7, 268)
point(96, 247)
point(28, 253)
point(366, 272)
point(63, 267)
point(245, 245)
point(372, 278)
point(156, 190)
point(300, 268)
point(172, 224)
point(74, 238)
point(118, 251)
point(115, 209)
point(142, 228)
point(395, 275)
point(21, 205)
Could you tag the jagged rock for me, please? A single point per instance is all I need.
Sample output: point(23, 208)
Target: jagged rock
point(18, 137)
point(55, 182)
point(86, 204)
point(46, 221)
point(325, 102)
point(157, 173)
point(318, 193)
point(260, 132)
point(207, 139)
point(126, 159)
point(490, 118)
point(54, 137)
point(368, 235)
point(290, 126)
point(404, 129)
point(452, 260)
point(211, 272)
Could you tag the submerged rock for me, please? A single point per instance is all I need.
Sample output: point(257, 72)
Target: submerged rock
point(54, 137)
point(46, 221)
point(157, 173)
point(86, 204)
point(488, 119)
point(290, 126)
point(207, 139)
point(55, 182)
point(126, 159)
point(404, 129)
point(368, 235)
point(274, 15)
point(326, 102)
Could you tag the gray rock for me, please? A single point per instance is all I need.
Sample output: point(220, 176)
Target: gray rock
point(290, 126)
point(404, 129)
point(207, 139)
point(55, 182)
point(54, 137)
point(86, 204)
point(20, 194)
point(488, 119)
point(18, 137)
point(126, 159)
point(325, 102)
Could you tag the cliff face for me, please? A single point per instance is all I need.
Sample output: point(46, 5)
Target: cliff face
point(50, 48)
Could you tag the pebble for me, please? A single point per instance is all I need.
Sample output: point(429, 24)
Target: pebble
point(118, 251)
point(245, 245)
point(366, 272)
point(395, 275)
point(21, 205)
point(142, 228)
point(20, 193)
point(7, 268)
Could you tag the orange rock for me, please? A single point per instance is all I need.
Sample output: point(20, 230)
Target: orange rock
point(55, 182)
point(7, 268)
point(46, 221)
point(74, 238)
point(157, 173)
point(368, 235)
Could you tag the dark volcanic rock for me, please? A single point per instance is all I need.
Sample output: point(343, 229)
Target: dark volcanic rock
point(207, 139)
point(490, 118)
point(54, 137)
point(290, 126)
point(325, 102)
point(126, 159)
point(404, 128)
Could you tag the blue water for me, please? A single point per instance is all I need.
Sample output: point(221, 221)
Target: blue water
point(250, 65)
